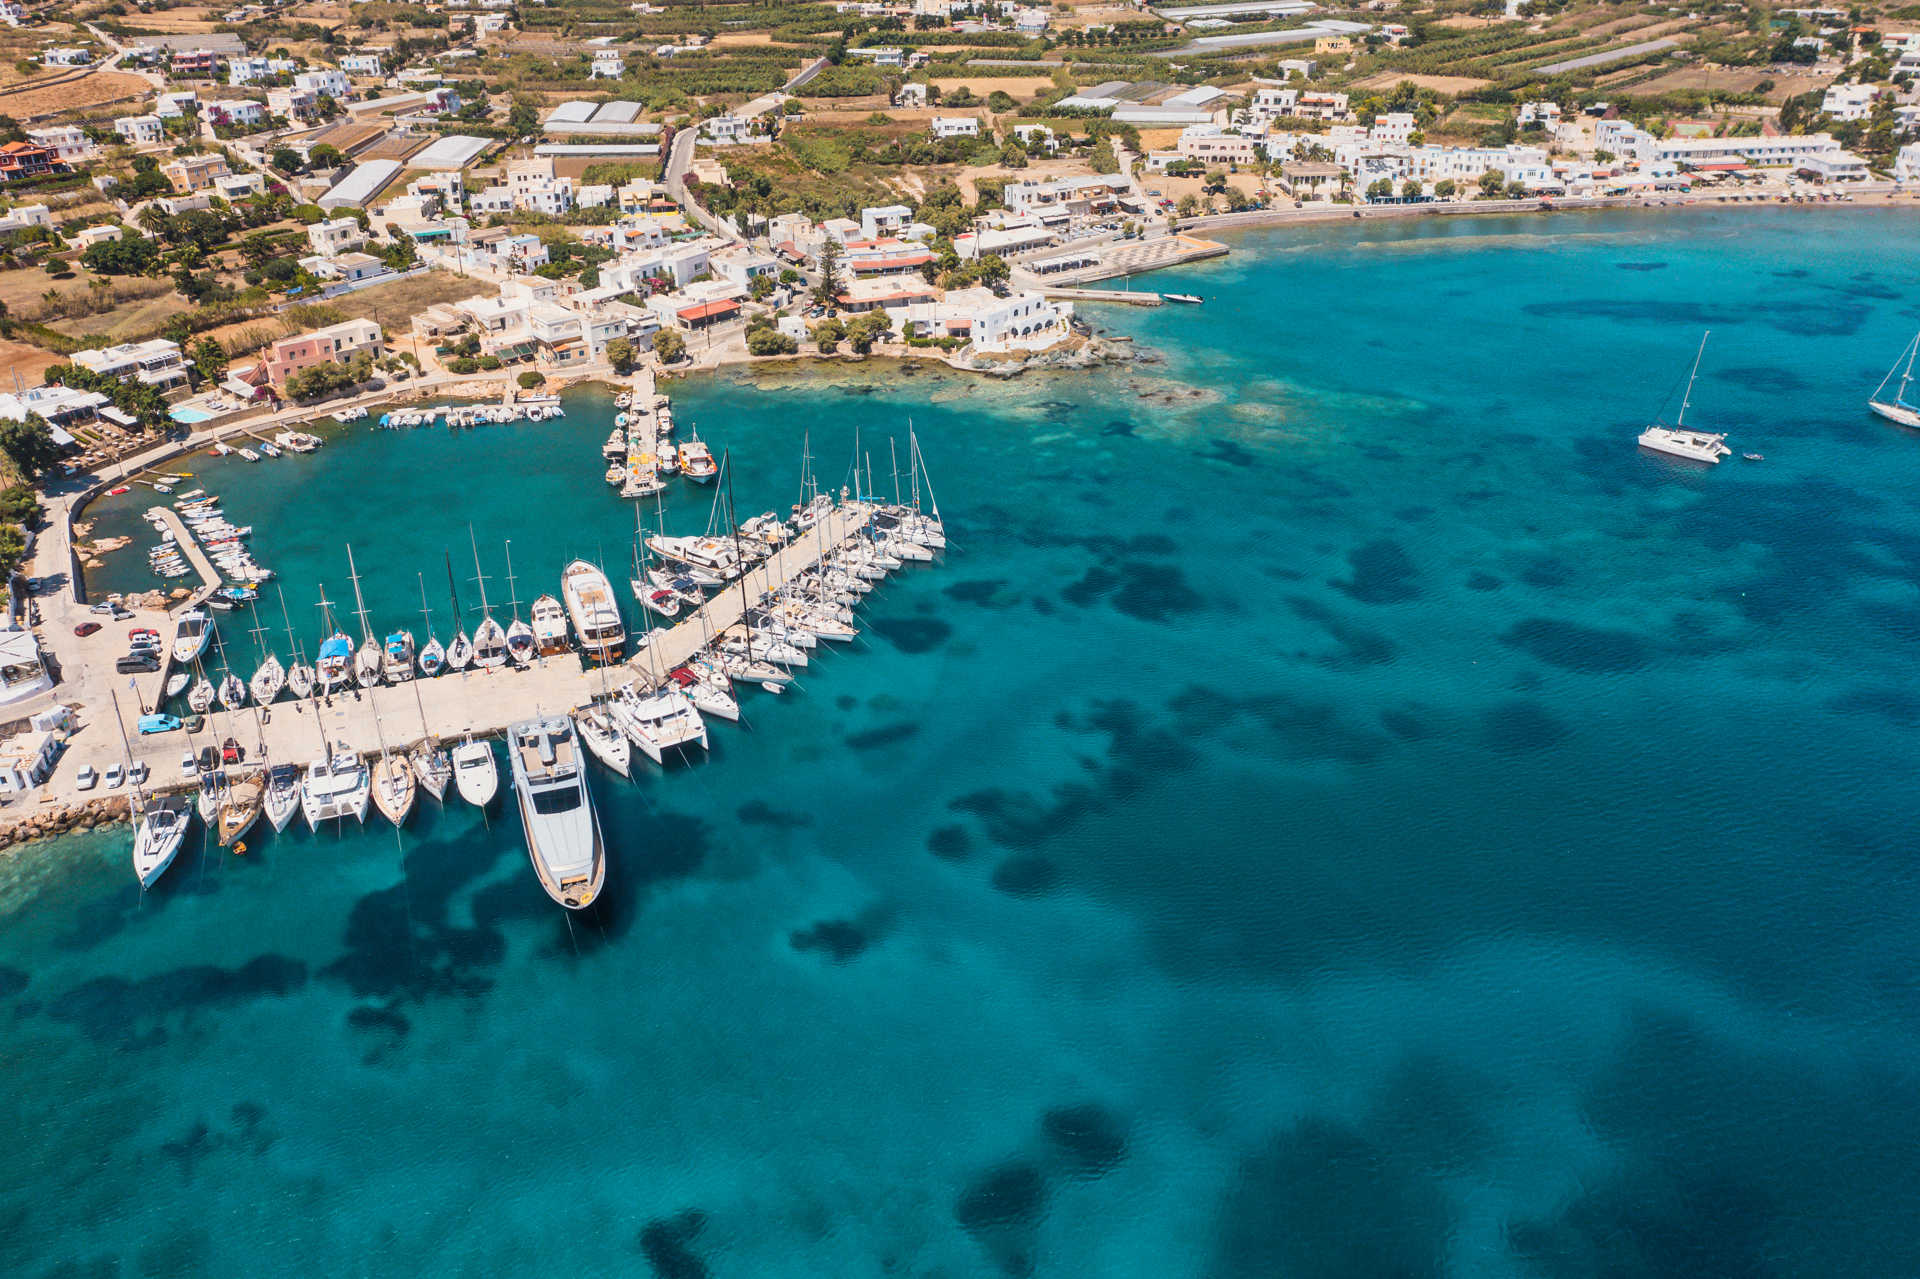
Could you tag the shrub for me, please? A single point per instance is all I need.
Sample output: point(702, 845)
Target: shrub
point(528, 380)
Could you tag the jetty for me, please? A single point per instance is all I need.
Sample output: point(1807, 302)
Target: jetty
point(482, 703)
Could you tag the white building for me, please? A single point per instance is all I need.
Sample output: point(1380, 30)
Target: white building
point(887, 219)
point(336, 235)
point(23, 673)
point(1545, 114)
point(534, 188)
point(171, 106)
point(1849, 101)
point(725, 129)
point(367, 64)
point(240, 112)
point(327, 82)
point(140, 130)
point(155, 362)
point(66, 58)
point(69, 143)
point(955, 126)
point(1906, 166)
point(26, 760)
point(1022, 322)
point(607, 65)
point(1393, 129)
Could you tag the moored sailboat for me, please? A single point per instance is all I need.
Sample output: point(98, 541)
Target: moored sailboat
point(1679, 441)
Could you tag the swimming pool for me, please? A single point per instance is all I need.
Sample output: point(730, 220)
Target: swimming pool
point(187, 413)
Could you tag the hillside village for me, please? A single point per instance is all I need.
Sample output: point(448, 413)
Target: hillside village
point(213, 211)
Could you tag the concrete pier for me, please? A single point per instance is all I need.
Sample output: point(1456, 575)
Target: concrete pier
point(477, 702)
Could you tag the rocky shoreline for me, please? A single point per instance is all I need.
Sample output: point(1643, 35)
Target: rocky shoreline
point(49, 820)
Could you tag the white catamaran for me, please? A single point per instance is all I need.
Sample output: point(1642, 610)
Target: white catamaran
point(1677, 440)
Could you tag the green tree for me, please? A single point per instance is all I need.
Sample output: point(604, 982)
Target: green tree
point(620, 356)
point(29, 445)
point(1410, 189)
point(1380, 189)
point(669, 346)
point(827, 335)
point(1103, 159)
point(827, 292)
point(321, 379)
point(759, 287)
point(770, 341)
point(1492, 183)
point(1445, 188)
point(129, 255)
point(532, 377)
point(523, 117)
point(19, 504)
point(210, 358)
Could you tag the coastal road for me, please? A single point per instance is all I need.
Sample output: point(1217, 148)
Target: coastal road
point(679, 157)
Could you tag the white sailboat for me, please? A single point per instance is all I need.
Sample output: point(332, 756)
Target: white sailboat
point(161, 829)
point(1677, 440)
point(335, 787)
point(367, 661)
point(282, 799)
point(521, 646)
point(604, 742)
point(489, 638)
point(1897, 409)
point(300, 676)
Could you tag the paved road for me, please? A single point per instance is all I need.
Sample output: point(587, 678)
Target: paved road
point(679, 157)
point(1605, 56)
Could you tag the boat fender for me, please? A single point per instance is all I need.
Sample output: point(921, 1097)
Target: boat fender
point(239, 850)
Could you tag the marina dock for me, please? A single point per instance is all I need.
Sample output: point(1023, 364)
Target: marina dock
point(482, 703)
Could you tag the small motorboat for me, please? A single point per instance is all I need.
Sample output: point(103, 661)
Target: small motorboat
point(177, 683)
point(1191, 299)
point(1753, 457)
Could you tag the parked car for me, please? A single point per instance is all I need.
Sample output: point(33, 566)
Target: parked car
point(137, 664)
point(86, 778)
point(143, 632)
point(115, 776)
point(103, 607)
point(138, 773)
point(189, 766)
point(86, 628)
point(159, 722)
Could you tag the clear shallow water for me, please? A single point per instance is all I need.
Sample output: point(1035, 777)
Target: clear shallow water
point(1338, 810)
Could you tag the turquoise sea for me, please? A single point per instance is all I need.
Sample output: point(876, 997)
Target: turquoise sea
point(1338, 809)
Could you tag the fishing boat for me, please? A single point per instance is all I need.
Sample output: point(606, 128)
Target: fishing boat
point(281, 799)
point(191, 635)
point(604, 742)
point(433, 658)
point(393, 787)
point(397, 665)
point(1897, 409)
point(200, 696)
point(549, 626)
point(433, 767)
point(160, 828)
point(596, 618)
point(240, 808)
point(474, 773)
point(696, 460)
point(233, 692)
point(335, 787)
point(1677, 440)
point(556, 810)
point(268, 680)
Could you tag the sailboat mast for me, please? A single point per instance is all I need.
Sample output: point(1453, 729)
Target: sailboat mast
point(726, 456)
point(478, 576)
point(513, 601)
point(1687, 400)
point(453, 591)
point(359, 604)
point(893, 464)
point(1906, 378)
point(426, 614)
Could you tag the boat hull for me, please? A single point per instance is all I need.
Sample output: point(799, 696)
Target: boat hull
point(1896, 413)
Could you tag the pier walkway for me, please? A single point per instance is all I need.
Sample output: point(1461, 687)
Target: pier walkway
point(196, 554)
point(478, 702)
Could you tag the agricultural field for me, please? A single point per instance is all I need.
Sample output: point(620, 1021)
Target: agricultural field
point(63, 90)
